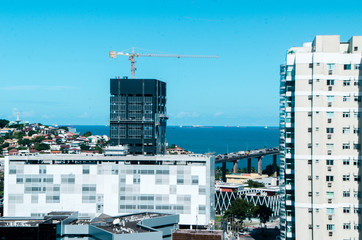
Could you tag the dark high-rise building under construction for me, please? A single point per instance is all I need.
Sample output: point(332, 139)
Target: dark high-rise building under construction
point(138, 115)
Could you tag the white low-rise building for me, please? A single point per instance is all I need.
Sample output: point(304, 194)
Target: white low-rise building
point(93, 184)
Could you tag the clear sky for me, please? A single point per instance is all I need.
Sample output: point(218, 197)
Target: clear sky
point(55, 69)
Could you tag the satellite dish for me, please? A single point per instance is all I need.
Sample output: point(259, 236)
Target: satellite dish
point(116, 221)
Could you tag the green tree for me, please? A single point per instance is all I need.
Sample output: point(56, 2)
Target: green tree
point(254, 184)
point(263, 213)
point(38, 139)
point(41, 146)
point(31, 133)
point(99, 149)
point(270, 170)
point(24, 142)
point(84, 147)
point(5, 145)
point(87, 134)
point(3, 123)
point(240, 209)
point(19, 135)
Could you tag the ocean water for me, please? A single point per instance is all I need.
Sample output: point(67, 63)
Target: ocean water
point(218, 140)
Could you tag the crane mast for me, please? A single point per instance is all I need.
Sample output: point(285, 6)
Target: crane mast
point(132, 55)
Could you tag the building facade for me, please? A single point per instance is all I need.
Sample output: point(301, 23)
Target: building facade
point(320, 105)
point(114, 185)
point(138, 115)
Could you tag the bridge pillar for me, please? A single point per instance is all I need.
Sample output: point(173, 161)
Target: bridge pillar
point(275, 174)
point(235, 167)
point(223, 170)
point(249, 165)
point(259, 165)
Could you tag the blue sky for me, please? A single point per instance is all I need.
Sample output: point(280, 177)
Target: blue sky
point(55, 69)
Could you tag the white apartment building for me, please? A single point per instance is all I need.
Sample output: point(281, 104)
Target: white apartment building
point(114, 185)
point(320, 139)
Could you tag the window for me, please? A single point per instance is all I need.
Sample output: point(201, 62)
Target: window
point(330, 114)
point(357, 114)
point(357, 66)
point(357, 226)
point(346, 98)
point(346, 114)
point(330, 130)
point(346, 193)
point(356, 130)
point(346, 146)
point(357, 194)
point(330, 146)
point(356, 146)
point(329, 194)
point(346, 226)
point(330, 82)
point(357, 98)
point(330, 162)
point(357, 210)
point(330, 211)
point(330, 98)
point(356, 162)
point(345, 162)
point(346, 130)
point(347, 67)
point(346, 210)
point(345, 177)
point(357, 178)
point(329, 178)
point(330, 227)
point(346, 83)
point(331, 66)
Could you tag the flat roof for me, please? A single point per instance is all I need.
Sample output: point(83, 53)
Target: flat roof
point(125, 224)
point(101, 157)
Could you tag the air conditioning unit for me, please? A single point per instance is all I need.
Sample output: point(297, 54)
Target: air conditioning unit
point(330, 88)
point(329, 136)
point(329, 104)
point(329, 169)
point(329, 120)
point(329, 152)
point(329, 200)
point(329, 184)
point(329, 217)
point(309, 177)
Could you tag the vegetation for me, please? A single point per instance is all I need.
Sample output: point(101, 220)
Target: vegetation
point(84, 147)
point(41, 146)
point(254, 184)
point(31, 133)
point(263, 213)
point(87, 134)
point(241, 209)
point(270, 170)
point(3, 123)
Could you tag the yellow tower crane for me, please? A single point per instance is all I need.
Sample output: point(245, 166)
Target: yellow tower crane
point(132, 55)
